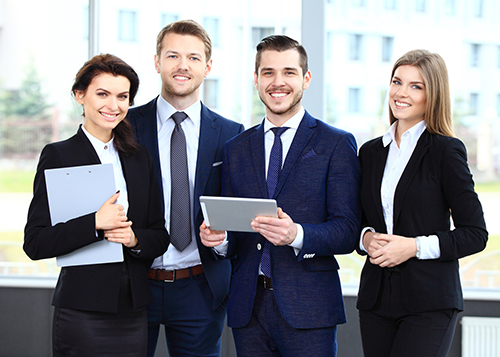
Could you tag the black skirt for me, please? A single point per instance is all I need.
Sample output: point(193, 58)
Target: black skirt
point(88, 333)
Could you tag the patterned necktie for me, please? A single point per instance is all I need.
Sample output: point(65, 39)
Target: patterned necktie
point(273, 175)
point(180, 211)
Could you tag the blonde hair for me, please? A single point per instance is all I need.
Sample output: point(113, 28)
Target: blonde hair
point(186, 27)
point(437, 116)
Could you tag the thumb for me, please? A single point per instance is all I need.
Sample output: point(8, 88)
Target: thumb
point(281, 214)
point(113, 198)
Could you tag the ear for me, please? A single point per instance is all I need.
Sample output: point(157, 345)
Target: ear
point(79, 94)
point(307, 80)
point(208, 68)
point(157, 64)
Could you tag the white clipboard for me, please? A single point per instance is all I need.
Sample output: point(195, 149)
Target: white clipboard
point(234, 213)
point(76, 191)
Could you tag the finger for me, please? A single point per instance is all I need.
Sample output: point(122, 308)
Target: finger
point(113, 198)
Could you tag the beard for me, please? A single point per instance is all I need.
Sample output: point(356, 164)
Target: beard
point(283, 109)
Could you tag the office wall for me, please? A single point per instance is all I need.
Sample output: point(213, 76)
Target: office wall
point(26, 318)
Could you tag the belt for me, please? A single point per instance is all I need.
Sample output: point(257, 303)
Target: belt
point(169, 276)
point(266, 282)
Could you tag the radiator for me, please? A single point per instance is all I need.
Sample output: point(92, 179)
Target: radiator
point(480, 336)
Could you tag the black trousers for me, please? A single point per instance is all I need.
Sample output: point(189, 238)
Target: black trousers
point(390, 330)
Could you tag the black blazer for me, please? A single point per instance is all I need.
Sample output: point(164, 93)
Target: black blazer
point(435, 183)
point(215, 130)
point(96, 287)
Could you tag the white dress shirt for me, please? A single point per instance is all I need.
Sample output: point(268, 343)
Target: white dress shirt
point(190, 256)
point(396, 163)
point(108, 155)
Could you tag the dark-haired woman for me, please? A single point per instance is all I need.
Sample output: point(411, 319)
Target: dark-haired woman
point(413, 179)
point(100, 309)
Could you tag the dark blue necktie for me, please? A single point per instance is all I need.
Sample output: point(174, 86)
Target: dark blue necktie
point(180, 216)
point(273, 175)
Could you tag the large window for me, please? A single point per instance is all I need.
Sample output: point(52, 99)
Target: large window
point(387, 48)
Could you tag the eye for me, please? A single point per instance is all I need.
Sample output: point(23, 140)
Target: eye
point(123, 96)
point(195, 58)
point(102, 94)
point(395, 81)
point(416, 86)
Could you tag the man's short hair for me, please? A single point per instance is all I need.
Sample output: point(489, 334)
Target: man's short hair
point(185, 27)
point(281, 43)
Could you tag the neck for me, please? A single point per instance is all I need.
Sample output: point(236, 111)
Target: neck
point(402, 127)
point(181, 102)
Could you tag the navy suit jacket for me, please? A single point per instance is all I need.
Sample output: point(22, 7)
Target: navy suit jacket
point(96, 287)
point(318, 188)
point(435, 183)
point(215, 130)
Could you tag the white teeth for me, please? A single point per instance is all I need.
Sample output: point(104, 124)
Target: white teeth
point(182, 78)
point(400, 104)
point(278, 95)
point(109, 115)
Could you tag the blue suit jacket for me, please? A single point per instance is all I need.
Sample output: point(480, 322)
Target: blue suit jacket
point(319, 189)
point(215, 130)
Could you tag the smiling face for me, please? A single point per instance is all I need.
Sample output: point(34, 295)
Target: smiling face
point(182, 66)
point(280, 83)
point(105, 104)
point(407, 98)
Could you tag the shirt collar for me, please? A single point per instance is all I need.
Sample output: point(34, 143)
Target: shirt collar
point(165, 111)
point(98, 145)
point(414, 132)
point(292, 123)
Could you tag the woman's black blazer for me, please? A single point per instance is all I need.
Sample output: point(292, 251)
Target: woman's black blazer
point(96, 287)
point(435, 183)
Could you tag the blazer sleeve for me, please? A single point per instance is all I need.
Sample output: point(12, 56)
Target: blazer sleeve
point(41, 239)
point(470, 235)
point(339, 234)
point(152, 235)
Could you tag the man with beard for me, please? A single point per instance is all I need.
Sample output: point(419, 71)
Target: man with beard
point(185, 139)
point(285, 297)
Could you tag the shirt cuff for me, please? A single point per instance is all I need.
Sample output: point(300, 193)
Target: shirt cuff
point(361, 246)
point(298, 242)
point(221, 249)
point(429, 247)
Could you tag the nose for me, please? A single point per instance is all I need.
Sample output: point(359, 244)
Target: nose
point(112, 102)
point(402, 92)
point(279, 80)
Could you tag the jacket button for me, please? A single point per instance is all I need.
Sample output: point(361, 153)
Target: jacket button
point(259, 246)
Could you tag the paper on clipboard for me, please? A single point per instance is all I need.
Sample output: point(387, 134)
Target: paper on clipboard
point(234, 213)
point(75, 191)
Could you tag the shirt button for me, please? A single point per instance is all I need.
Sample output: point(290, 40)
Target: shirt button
point(105, 147)
point(259, 246)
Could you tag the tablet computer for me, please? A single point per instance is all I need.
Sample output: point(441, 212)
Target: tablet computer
point(235, 213)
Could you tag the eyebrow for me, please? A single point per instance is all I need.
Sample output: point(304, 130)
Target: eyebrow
point(412, 82)
point(177, 52)
point(273, 69)
point(107, 91)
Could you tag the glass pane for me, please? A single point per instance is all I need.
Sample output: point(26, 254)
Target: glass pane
point(40, 53)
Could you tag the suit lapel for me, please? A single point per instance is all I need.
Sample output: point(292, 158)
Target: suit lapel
point(147, 134)
point(207, 151)
point(304, 133)
point(409, 172)
point(378, 161)
point(258, 153)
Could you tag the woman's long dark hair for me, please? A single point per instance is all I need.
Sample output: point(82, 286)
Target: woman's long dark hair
point(105, 63)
